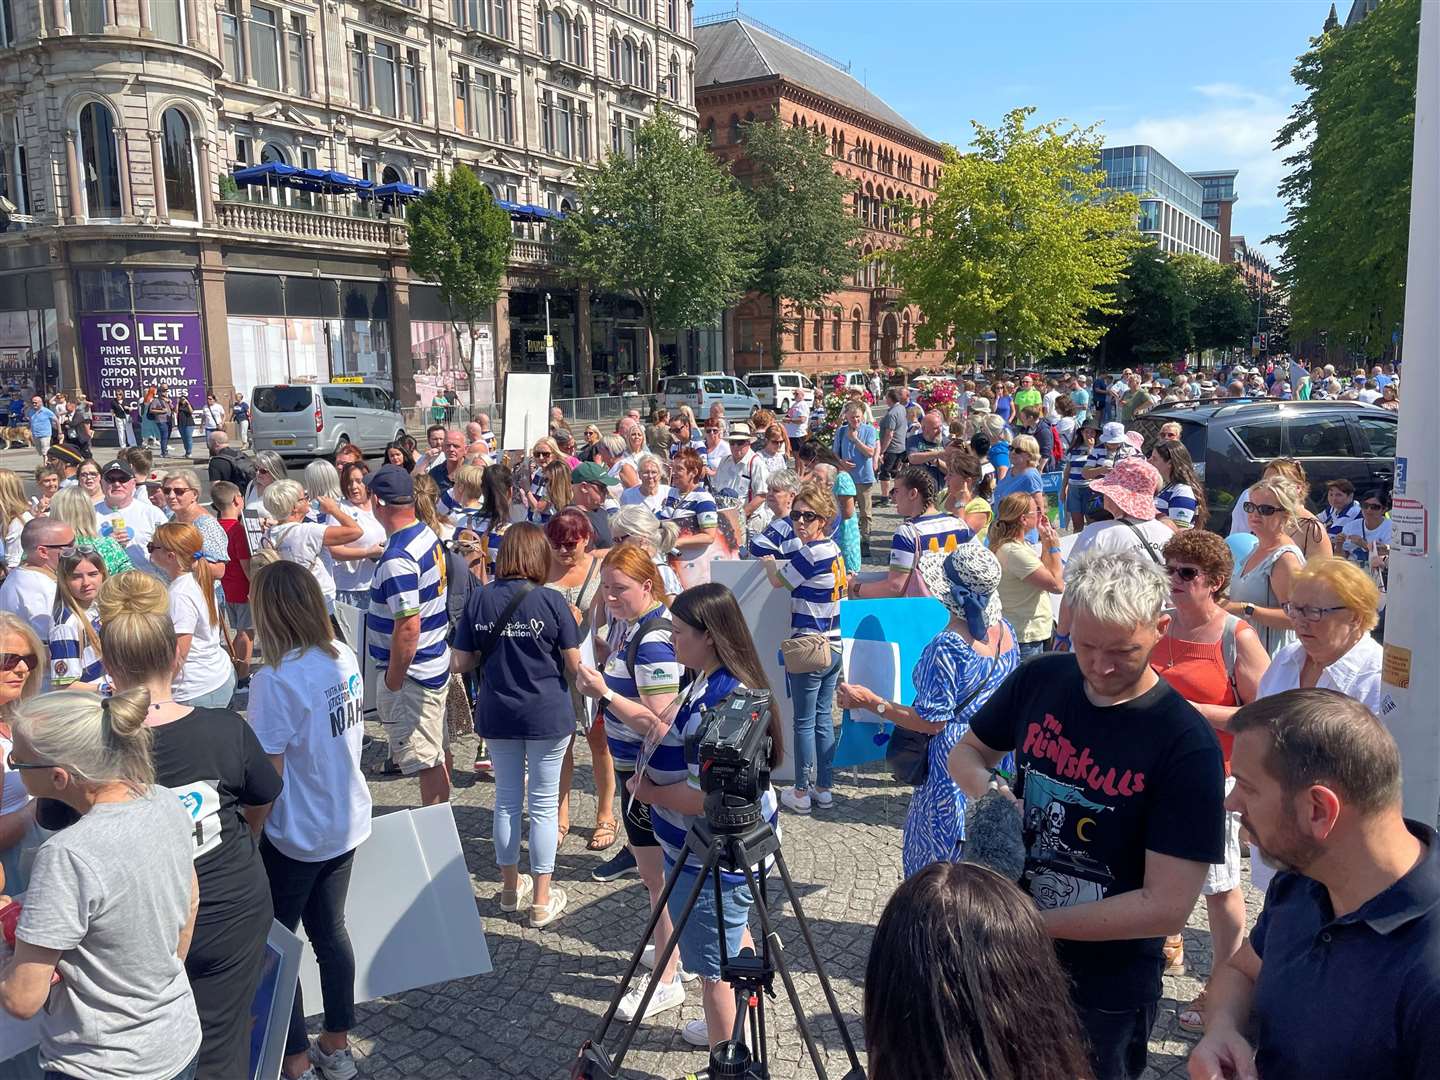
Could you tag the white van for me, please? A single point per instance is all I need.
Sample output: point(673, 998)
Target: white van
point(702, 391)
point(778, 390)
point(316, 419)
point(854, 380)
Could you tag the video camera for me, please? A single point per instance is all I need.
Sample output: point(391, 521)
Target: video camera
point(732, 745)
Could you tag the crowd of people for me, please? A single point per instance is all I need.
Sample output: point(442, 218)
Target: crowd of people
point(1155, 698)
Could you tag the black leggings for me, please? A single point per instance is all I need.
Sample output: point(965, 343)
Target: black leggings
point(315, 894)
point(224, 964)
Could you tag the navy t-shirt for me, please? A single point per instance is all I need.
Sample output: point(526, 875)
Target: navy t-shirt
point(523, 693)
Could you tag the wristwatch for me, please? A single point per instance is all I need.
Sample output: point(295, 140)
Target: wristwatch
point(604, 700)
point(880, 709)
point(1249, 610)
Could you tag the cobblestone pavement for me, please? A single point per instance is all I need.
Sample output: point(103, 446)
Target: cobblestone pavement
point(550, 986)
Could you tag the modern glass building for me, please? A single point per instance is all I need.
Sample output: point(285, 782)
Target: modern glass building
point(1172, 203)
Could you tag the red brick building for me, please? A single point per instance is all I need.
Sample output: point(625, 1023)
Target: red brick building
point(745, 71)
point(1252, 264)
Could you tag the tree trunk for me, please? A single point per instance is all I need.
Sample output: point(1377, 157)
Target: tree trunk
point(647, 384)
point(776, 329)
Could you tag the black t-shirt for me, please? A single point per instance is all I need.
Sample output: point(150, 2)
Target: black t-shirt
point(600, 526)
point(1100, 786)
point(212, 760)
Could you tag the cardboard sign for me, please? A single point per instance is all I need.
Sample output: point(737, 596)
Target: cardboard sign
point(1410, 527)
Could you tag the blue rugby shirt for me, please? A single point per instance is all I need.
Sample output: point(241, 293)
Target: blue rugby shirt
point(410, 580)
point(816, 576)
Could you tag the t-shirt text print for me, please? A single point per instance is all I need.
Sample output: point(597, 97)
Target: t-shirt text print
point(342, 702)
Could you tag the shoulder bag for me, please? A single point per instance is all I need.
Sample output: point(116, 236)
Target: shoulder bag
point(907, 752)
point(806, 654)
point(1144, 540)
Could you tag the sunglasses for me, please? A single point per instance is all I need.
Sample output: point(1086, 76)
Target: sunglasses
point(118, 478)
point(11, 660)
point(805, 517)
point(1263, 509)
point(177, 490)
point(542, 454)
point(1184, 573)
point(1308, 613)
point(573, 545)
point(12, 762)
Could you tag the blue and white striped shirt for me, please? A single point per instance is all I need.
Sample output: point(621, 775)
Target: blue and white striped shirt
point(777, 539)
point(410, 580)
point(816, 576)
point(692, 512)
point(930, 532)
point(73, 657)
point(1336, 520)
point(540, 489)
point(1178, 503)
point(675, 763)
point(657, 671)
point(1079, 460)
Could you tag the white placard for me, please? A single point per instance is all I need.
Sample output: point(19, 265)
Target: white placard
point(527, 410)
point(410, 911)
point(874, 665)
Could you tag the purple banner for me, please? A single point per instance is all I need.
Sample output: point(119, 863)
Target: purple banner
point(128, 354)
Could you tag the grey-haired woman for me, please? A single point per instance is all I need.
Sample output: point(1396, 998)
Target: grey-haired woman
point(956, 674)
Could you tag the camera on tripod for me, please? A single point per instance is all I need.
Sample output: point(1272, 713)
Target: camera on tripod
point(733, 746)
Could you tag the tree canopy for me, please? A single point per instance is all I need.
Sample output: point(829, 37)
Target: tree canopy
point(668, 227)
point(1022, 239)
point(1170, 304)
point(807, 238)
point(461, 239)
point(1348, 188)
point(1222, 315)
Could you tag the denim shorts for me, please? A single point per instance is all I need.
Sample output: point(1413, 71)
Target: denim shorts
point(699, 944)
point(1077, 500)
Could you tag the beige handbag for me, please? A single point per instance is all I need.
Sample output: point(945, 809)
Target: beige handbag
point(807, 654)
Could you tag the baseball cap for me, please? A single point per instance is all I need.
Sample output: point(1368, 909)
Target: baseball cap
point(588, 472)
point(392, 485)
point(118, 466)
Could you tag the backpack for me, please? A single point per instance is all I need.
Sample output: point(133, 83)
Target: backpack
point(632, 648)
point(1055, 451)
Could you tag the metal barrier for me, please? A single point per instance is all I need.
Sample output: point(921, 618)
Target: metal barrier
point(578, 412)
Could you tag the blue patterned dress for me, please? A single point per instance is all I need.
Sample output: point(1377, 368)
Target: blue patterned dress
point(947, 672)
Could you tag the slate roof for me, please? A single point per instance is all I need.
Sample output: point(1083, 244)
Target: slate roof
point(738, 50)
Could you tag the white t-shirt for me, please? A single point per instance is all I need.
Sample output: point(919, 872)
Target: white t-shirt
point(1368, 396)
point(309, 708)
point(635, 497)
point(30, 593)
point(207, 665)
point(797, 421)
point(142, 518)
point(303, 542)
point(1114, 536)
point(351, 575)
point(213, 416)
point(13, 795)
point(13, 551)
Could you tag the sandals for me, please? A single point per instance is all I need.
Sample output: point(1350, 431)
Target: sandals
point(1175, 955)
point(1191, 1017)
point(560, 833)
point(605, 835)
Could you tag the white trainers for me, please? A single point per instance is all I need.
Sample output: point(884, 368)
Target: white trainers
point(823, 799)
point(696, 1033)
point(516, 900)
point(647, 961)
point(339, 1065)
point(667, 996)
point(798, 801)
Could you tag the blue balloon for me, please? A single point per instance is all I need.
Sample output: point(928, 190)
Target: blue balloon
point(1241, 547)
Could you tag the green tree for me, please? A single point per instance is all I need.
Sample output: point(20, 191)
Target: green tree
point(461, 239)
point(1152, 309)
point(669, 228)
point(1222, 314)
point(806, 244)
point(1022, 239)
point(1348, 189)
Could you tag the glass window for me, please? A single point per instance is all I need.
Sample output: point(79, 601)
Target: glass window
point(87, 16)
point(1261, 440)
point(627, 61)
point(230, 40)
point(855, 330)
point(1380, 434)
point(582, 131)
point(577, 44)
point(645, 66)
point(104, 290)
point(179, 164)
point(265, 47)
point(614, 58)
point(500, 18)
point(1319, 436)
point(281, 399)
point(542, 30)
point(7, 24)
point(340, 396)
point(547, 121)
point(718, 386)
point(557, 41)
point(167, 20)
point(463, 120)
point(507, 110)
point(297, 56)
point(166, 290)
point(672, 14)
point(564, 126)
point(410, 76)
point(99, 158)
point(359, 74)
point(385, 72)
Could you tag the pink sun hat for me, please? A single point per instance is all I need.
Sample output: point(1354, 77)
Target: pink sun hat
point(1131, 485)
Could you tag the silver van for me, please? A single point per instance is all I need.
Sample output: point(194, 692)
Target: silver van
point(316, 419)
point(779, 390)
point(702, 391)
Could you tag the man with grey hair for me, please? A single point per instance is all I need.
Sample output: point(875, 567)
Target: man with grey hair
point(29, 589)
point(1120, 783)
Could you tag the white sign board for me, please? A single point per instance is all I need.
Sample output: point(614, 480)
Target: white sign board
point(1409, 526)
point(411, 909)
point(527, 410)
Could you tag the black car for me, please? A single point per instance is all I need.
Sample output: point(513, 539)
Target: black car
point(1231, 441)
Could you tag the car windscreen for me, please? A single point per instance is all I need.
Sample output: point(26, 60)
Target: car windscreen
point(281, 399)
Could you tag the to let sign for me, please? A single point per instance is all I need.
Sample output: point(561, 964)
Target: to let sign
point(125, 355)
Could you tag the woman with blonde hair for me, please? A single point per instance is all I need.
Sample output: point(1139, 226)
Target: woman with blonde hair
point(557, 483)
point(14, 513)
point(75, 628)
point(213, 761)
point(299, 539)
point(182, 497)
point(22, 670)
point(1026, 578)
point(306, 706)
point(132, 592)
point(639, 525)
point(73, 506)
point(1261, 587)
point(540, 505)
point(204, 673)
point(1308, 532)
point(132, 843)
point(269, 467)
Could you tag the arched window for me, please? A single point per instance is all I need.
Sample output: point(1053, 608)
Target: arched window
point(272, 154)
point(672, 15)
point(577, 44)
point(674, 77)
point(710, 130)
point(855, 330)
point(615, 57)
point(542, 30)
point(819, 329)
point(835, 330)
point(735, 129)
point(645, 67)
point(627, 61)
point(795, 119)
point(391, 175)
point(557, 41)
point(178, 161)
point(905, 331)
point(100, 162)
point(800, 330)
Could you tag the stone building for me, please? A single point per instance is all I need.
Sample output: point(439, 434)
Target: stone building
point(747, 70)
point(120, 121)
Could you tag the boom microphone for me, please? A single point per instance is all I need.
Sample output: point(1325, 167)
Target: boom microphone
point(993, 835)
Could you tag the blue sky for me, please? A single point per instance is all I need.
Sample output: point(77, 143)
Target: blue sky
point(1207, 84)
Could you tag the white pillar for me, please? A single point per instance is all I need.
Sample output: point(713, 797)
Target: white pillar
point(1412, 645)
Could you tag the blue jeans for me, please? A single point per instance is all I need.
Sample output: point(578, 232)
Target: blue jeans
point(542, 759)
point(187, 438)
point(813, 697)
point(187, 1073)
point(699, 942)
point(219, 698)
point(162, 432)
point(1032, 648)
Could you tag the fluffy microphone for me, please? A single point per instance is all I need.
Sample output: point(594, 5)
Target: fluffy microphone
point(993, 835)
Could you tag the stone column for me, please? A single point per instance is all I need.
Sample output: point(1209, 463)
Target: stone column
point(501, 337)
point(72, 175)
point(127, 196)
point(205, 181)
point(70, 363)
point(157, 166)
point(584, 370)
point(402, 361)
point(145, 27)
point(61, 21)
point(215, 315)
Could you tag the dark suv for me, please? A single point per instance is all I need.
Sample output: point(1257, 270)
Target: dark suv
point(1231, 440)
